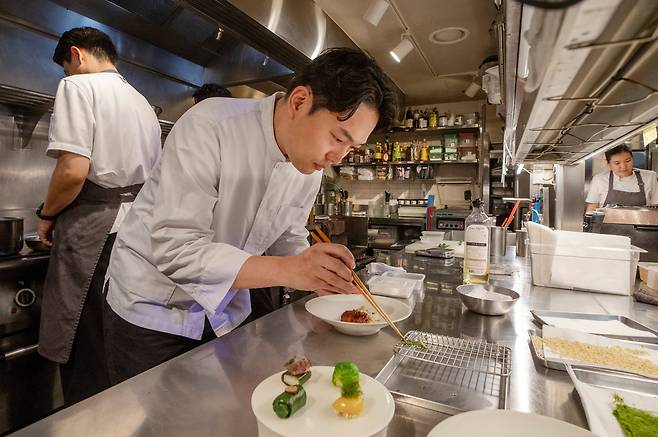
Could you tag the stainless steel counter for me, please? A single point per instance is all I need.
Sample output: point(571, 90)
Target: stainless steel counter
point(207, 391)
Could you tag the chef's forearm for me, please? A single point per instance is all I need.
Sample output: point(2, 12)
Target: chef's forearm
point(261, 272)
point(65, 183)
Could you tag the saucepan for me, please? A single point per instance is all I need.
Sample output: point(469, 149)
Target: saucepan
point(11, 235)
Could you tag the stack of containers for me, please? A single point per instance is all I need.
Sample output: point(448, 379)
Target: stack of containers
point(467, 147)
point(451, 149)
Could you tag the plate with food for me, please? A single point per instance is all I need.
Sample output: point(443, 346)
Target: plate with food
point(352, 314)
point(617, 404)
point(321, 401)
point(505, 423)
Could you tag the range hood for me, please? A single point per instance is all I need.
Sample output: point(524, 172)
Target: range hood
point(578, 80)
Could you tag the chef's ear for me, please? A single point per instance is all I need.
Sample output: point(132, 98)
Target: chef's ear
point(300, 99)
point(76, 54)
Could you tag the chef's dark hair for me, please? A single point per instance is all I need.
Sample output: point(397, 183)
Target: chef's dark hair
point(210, 90)
point(341, 79)
point(622, 148)
point(88, 38)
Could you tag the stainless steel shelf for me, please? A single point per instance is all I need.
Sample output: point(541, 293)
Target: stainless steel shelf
point(397, 163)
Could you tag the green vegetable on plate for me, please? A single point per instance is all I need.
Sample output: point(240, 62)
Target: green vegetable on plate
point(346, 376)
point(288, 403)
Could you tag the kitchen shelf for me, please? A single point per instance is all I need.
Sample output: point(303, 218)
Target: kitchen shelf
point(401, 135)
point(392, 180)
point(397, 163)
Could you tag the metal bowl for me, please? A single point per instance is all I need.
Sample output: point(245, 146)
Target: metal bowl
point(485, 306)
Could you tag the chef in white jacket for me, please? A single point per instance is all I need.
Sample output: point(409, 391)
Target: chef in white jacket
point(238, 177)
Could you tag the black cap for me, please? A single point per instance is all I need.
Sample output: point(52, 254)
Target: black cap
point(477, 203)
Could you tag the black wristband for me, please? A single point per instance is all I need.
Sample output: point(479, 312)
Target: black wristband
point(43, 216)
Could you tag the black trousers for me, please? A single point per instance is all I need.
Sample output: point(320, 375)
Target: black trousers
point(86, 373)
point(131, 349)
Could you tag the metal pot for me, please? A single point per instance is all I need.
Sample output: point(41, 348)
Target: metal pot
point(11, 235)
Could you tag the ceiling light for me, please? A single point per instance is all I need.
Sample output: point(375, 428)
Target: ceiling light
point(519, 168)
point(375, 11)
point(449, 35)
point(401, 50)
point(220, 32)
point(473, 88)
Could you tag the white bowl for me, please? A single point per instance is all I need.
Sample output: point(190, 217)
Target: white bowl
point(505, 423)
point(330, 308)
point(317, 418)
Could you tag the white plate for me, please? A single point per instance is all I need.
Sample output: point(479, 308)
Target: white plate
point(505, 423)
point(317, 418)
point(330, 308)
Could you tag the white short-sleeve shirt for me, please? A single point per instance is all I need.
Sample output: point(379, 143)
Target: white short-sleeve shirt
point(598, 190)
point(102, 117)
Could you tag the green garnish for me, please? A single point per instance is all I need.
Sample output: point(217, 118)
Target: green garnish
point(346, 376)
point(415, 343)
point(633, 421)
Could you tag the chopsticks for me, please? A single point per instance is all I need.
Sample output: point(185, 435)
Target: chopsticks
point(320, 237)
point(508, 220)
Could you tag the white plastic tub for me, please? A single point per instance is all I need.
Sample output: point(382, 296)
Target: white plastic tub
point(583, 261)
point(391, 286)
point(417, 278)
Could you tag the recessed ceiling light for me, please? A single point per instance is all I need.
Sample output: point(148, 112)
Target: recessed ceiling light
point(449, 35)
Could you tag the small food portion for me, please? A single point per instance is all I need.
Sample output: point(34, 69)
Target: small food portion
point(287, 403)
point(294, 396)
point(415, 343)
point(297, 371)
point(633, 421)
point(616, 357)
point(346, 376)
point(359, 315)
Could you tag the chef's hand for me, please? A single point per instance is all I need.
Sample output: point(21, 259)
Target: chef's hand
point(46, 228)
point(325, 268)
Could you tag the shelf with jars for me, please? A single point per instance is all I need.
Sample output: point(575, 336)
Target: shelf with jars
point(459, 147)
point(431, 123)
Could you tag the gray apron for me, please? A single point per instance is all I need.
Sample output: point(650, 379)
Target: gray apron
point(626, 198)
point(79, 237)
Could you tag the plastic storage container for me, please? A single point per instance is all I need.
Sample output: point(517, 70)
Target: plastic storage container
point(391, 286)
point(417, 278)
point(582, 261)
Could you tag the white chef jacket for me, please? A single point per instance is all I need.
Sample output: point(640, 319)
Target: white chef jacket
point(598, 190)
point(222, 192)
point(102, 117)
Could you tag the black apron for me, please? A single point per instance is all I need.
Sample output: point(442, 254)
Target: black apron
point(626, 198)
point(80, 234)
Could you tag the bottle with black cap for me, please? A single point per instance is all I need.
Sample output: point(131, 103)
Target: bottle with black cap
point(476, 250)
